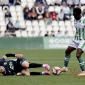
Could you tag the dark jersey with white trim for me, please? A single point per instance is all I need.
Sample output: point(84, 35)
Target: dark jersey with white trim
point(9, 67)
point(12, 67)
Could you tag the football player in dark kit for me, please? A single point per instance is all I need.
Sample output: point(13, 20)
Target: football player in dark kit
point(20, 66)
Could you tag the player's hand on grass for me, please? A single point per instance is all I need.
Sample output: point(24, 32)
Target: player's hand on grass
point(19, 74)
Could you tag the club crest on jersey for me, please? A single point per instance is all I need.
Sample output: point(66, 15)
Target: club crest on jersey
point(5, 63)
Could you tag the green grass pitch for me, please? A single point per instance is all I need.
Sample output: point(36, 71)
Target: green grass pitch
point(53, 58)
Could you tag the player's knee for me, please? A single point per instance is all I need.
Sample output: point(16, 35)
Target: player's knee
point(78, 55)
point(67, 52)
point(25, 64)
point(26, 72)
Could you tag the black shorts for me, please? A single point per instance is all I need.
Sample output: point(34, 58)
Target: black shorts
point(18, 66)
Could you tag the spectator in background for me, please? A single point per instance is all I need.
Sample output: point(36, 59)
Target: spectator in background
point(33, 13)
point(11, 29)
point(46, 7)
point(48, 21)
point(59, 33)
point(16, 2)
point(71, 10)
point(47, 34)
point(64, 2)
point(17, 25)
point(8, 15)
point(66, 34)
point(9, 25)
point(38, 2)
point(25, 8)
point(5, 2)
point(47, 17)
point(32, 34)
point(53, 16)
point(10, 32)
point(66, 11)
point(26, 13)
point(47, 14)
point(40, 11)
point(11, 2)
point(5, 8)
point(45, 2)
point(52, 34)
point(61, 15)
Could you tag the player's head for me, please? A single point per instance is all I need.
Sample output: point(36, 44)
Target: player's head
point(77, 13)
point(1, 69)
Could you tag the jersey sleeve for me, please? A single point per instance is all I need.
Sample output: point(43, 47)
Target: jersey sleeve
point(10, 55)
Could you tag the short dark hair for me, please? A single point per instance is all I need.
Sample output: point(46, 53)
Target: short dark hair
point(77, 10)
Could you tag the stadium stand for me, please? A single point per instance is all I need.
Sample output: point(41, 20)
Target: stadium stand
point(39, 26)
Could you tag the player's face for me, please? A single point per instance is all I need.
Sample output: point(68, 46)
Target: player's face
point(1, 69)
point(76, 16)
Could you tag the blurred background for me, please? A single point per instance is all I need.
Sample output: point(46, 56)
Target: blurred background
point(38, 22)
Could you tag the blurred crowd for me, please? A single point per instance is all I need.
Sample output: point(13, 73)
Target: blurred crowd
point(41, 10)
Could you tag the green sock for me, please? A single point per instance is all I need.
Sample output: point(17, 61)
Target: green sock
point(81, 63)
point(66, 60)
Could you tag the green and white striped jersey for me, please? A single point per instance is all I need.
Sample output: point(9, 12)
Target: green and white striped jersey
point(80, 29)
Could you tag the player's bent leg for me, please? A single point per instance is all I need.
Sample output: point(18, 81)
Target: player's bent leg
point(25, 72)
point(81, 61)
point(67, 58)
point(37, 65)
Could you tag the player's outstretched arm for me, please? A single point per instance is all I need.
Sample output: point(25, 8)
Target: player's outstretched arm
point(12, 55)
point(18, 55)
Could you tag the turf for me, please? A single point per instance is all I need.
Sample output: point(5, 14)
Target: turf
point(53, 58)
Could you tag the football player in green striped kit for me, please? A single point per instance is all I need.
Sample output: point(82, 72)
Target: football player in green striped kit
point(78, 43)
